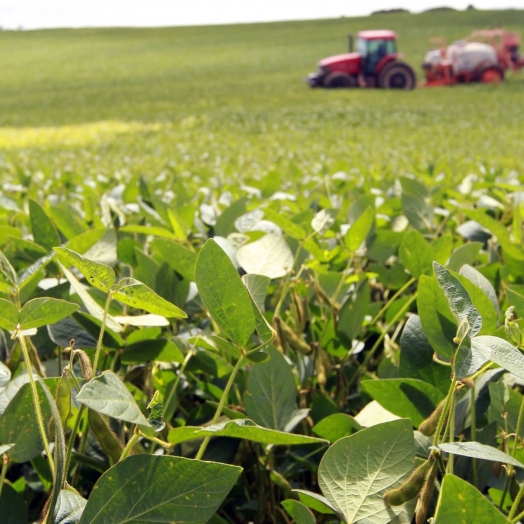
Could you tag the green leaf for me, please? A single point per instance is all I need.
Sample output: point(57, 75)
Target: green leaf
point(417, 211)
point(226, 346)
point(69, 507)
point(179, 258)
point(464, 254)
point(437, 321)
point(499, 230)
point(44, 232)
point(269, 256)
point(477, 278)
point(501, 352)
point(159, 350)
point(416, 357)
point(404, 397)
point(18, 425)
point(300, 513)
point(467, 361)
point(356, 471)
point(515, 299)
point(145, 488)
point(416, 254)
point(259, 357)
point(147, 230)
point(223, 294)
point(7, 270)
point(257, 286)
point(499, 395)
point(270, 397)
point(359, 230)
point(323, 220)
point(98, 275)
point(156, 417)
point(315, 501)
point(8, 315)
point(336, 426)
point(226, 221)
point(458, 299)
point(108, 395)
point(353, 312)
point(12, 506)
point(480, 451)
point(44, 311)
point(138, 295)
point(240, 428)
point(288, 226)
point(461, 503)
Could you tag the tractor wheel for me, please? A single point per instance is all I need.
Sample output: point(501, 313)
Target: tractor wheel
point(338, 79)
point(397, 75)
point(491, 75)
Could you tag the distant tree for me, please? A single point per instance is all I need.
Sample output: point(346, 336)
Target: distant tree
point(470, 7)
point(390, 11)
point(442, 8)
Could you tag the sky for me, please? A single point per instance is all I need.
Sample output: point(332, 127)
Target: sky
point(35, 14)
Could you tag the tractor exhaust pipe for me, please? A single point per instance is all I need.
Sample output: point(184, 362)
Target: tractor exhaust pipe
point(350, 39)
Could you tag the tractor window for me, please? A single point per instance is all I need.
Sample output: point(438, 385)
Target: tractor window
point(362, 47)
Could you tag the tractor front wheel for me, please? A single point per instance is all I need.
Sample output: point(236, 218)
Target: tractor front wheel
point(491, 75)
point(397, 75)
point(338, 80)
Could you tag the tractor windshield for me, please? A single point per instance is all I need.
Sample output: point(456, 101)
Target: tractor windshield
point(373, 50)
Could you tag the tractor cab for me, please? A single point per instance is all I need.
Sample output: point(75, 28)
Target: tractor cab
point(374, 63)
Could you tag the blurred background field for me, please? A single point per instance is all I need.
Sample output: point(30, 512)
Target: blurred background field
point(230, 102)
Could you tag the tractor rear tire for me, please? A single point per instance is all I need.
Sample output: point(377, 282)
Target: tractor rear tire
point(397, 75)
point(491, 75)
point(339, 80)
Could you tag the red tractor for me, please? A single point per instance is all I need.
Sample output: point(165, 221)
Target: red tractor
point(374, 63)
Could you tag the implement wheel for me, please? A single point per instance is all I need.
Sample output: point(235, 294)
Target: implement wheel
point(339, 80)
point(396, 75)
point(491, 75)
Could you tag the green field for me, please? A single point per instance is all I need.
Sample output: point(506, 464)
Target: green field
point(230, 100)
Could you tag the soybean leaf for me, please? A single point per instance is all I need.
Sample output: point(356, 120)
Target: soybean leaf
point(69, 507)
point(300, 513)
point(269, 256)
point(464, 254)
point(499, 395)
point(43, 311)
point(189, 491)
point(481, 282)
point(257, 286)
point(18, 425)
point(404, 397)
point(460, 502)
point(12, 506)
point(147, 230)
point(223, 293)
point(289, 227)
point(138, 295)
point(416, 254)
point(94, 309)
point(359, 230)
point(356, 471)
point(480, 451)
point(417, 211)
point(458, 299)
point(240, 428)
point(323, 220)
point(416, 357)
point(336, 426)
point(7, 270)
point(226, 221)
point(8, 315)
point(315, 501)
point(98, 275)
point(108, 395)
point(270, 398)
point(44, 232)
point(515, 299)
point(353, 312)
point(501, 352)
point(467, 361)
point(437, 321)
point(179, 258)
point(5, 375)
point(226, 346)
point(156, 416)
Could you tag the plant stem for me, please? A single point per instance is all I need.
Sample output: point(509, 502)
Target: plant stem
point(515, 505)
point(451, 430)
point(391, 300)
point(129, 446)
point(71, 442)
point(36, 401)
point(101, 336)
point(473, 411)
point(520, 494)
point(444, 413)
point(5, 466)
point(168, 411)
point(218, 412)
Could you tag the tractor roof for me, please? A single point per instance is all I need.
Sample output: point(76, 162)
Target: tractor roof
point(380, 34)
